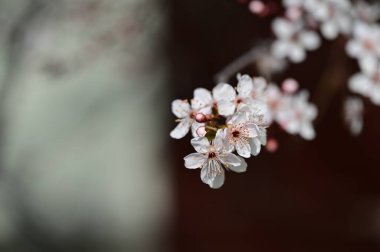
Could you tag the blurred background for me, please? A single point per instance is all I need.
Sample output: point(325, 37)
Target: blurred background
point(86, 159)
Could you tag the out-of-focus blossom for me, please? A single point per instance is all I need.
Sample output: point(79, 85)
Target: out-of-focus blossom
point(293, 39)
point(290, 86)
point(267, 63)
point(295, 115)
point(367, 12)
point(272, 145)
point(213, 159)
point(333, 16)
point(353, 108)
point(367, 82)
point(365, 43)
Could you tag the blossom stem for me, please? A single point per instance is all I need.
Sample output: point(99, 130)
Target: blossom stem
point(211, 128)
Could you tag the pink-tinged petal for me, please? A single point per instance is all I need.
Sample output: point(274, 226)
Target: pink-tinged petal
point(244, 86)
point(195, 160)
point(181, 108)
point(226, 108)
point(243, 148)
point(182, 129)
point(194, 127)
point(229, 160)
point(201, 144)
point(240, 168)
point(255, 146)
point(224, 91)
point(202, 98)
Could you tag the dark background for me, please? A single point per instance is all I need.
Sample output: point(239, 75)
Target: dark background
point(322, 195)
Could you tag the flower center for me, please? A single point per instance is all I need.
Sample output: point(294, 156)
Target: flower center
point(235, 133)
point(211, 154)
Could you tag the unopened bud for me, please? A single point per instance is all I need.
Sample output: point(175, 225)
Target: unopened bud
point(201, 131)
point(257, 7)
point(272, 145)
point(290, 86)
point(201, 118)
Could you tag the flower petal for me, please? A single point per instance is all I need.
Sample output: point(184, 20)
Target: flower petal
point(226, 108)
point(307, 131)
point(212, 173)
point(224, 91)
point(310, 40)
point(181, 108)
point(252, 130)
point(296, 53)
point(255, 146)
point(240, 168)
point(195, 160)
point(243, 148)
point(244, 86)
point(229, 160)
point(182, 129)
point(202, 98)
point(201, 144)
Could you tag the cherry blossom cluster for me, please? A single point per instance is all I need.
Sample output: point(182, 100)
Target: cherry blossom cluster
point(305, 23)
point(228, 120)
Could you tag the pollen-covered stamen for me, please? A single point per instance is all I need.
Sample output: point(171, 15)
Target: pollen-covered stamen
point(211, 155)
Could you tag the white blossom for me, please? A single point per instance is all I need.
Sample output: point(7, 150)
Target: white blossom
point(367, 12)
point(201, 103)
point(353, 108)
point(367, 82)
point(213, 159)
point(240, 133)
point(365, 43)
point(293, 39)
point(228, 100)
point(295, 115)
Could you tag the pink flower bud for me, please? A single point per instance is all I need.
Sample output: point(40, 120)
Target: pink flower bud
point(290, 86)
point(257, 7)
point(272, 145)
point(201, 118)
point(201, 131)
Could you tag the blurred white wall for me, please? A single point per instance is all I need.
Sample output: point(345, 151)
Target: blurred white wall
point(82, 136)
